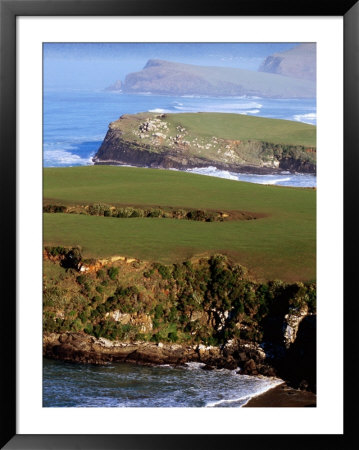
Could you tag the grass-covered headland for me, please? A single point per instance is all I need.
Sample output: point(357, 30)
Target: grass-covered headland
point(233, 142)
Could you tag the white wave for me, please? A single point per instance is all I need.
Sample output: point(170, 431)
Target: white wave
point(194, 365)
point(194, 96)
point(234, 108)
point(160, 110)
point(212, 171)
point(275, 181)
point(220, 107)
point(309, 118)
point(63, 157)
point(110, 91)
point(298, 180)
point(272, 384)
point(251, 111)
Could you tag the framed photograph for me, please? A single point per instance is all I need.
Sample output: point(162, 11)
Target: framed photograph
point(176, 204)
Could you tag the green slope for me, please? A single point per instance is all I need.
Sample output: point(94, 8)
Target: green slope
point(281, 245)
point(239, 126)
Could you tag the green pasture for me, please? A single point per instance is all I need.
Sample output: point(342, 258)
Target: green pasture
point(279, 246)
point(243, 127)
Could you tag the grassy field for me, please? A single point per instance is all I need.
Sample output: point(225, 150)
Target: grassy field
point(201, 128)
point(240, 126)
point(279, 246)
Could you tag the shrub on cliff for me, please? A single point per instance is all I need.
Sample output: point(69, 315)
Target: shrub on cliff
point(113, 272)
point(81, 279)
point(72, 259)
point(99, 209)
point(173, 337)
point(56, 251)
point(312, 298)
point(54, 209)
point(154, 213)
point(164, 271)
point(196, 215)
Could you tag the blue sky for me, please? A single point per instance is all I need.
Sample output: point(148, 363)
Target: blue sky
point(97, 65)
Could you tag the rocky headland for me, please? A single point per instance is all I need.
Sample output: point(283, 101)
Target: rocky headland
point(162, 141)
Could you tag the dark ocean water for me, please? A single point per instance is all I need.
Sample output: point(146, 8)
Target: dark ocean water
point(75, 123)
point(128, 385)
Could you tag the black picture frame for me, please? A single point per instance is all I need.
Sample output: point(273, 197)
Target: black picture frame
point(9, 10)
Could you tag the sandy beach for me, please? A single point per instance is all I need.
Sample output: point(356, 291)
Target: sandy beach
point(283, 396)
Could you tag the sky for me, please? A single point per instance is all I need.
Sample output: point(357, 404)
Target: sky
point(98, 65)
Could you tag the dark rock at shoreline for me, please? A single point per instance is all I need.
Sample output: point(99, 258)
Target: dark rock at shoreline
point(283, 396)
point(208, 367)
point(296, 365)
point(299, 362)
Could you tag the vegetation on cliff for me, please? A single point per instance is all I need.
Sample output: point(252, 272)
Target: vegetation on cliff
point(209, 301)
point(130, 212)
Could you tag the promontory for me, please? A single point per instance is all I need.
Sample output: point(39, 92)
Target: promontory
point(234, 142)
point(276, 79)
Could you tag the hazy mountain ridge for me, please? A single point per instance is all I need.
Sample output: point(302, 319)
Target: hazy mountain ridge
point(171, 78)
point(299, 62)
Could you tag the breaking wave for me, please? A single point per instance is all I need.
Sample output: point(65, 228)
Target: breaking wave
point(281, 179)
point(56, 158)
point(309, 118)
point(127, 385)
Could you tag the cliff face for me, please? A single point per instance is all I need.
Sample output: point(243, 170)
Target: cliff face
point(171, 78)
point(295, 364)
point(207, 311)
point(149, 141)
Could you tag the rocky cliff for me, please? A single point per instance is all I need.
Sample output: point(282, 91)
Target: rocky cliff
point(159, 140)
point(295, 365)
point(207, 311)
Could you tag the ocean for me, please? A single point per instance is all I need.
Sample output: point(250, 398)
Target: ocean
point(76, 122)
point(127, 385)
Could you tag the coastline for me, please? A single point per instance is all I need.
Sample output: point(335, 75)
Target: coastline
point(282, 396)
point(84, 349)
point(240, 170)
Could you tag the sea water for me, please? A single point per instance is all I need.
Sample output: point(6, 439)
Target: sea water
point(76, 122)
point(127, 385)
